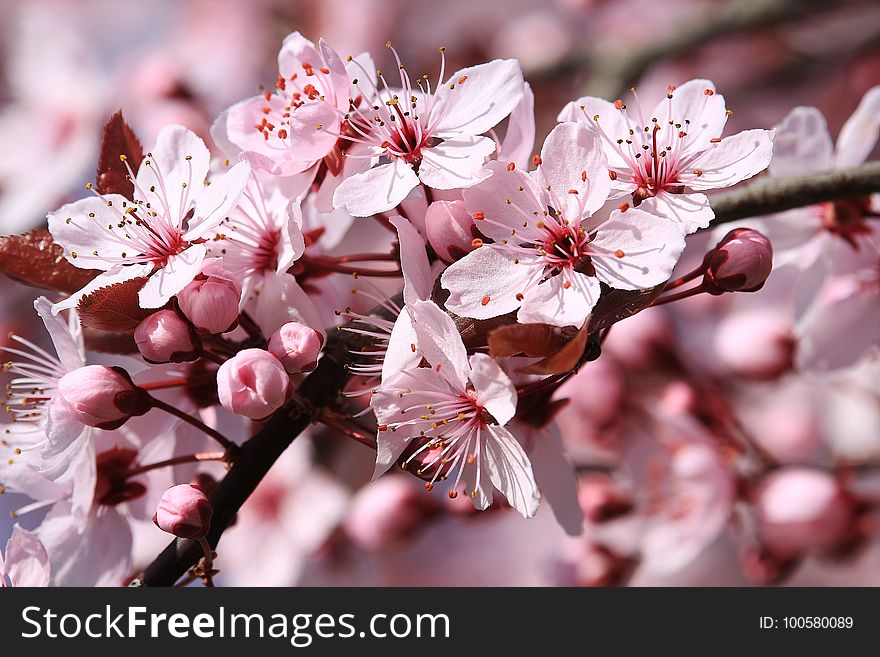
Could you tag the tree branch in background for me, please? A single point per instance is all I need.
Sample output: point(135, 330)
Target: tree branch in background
point(769, 195)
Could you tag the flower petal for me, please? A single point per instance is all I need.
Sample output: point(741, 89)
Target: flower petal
point(731, 160)
point(495, 392)
point(377, 190)
point(313, 129)
point(440, 342)
point(480, 97)
point(706, 113)
point(279, 300)
point(604, 118)
point(418, 281)
point(858, 136)
point(218, 200)
point(456, 162)
point(178, 272)
point(511, 471)
point(690, 211)
point(801, 144)
point(505, 199)
point(556, 478)
point(402, 353)
point(119, 274)
point(486, 282)
point(575, 168)
point(519, 140)
point(81, 227)
point(66, 338)
point(640, 250)
point(553, 303)
point(27, 563)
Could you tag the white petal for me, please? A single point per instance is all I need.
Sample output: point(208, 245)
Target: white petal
point(706, 113)
point(440, 342)
point(400, 355)
point(801, 144)
point(731, 160)
point(690, 211)
point(27, 563)
point(858, 136)
point(77, 232)
point(456, 162)
point(495, 392)
point(218, 200)
point(178, 272)
point(511, 471)
point(519, 140)
point(418, 281)
point(377, 190)
point(280, 299)
point(491, 197)
point(480, 102)
point(66, 437)
point(556, 478)
point(603, 117)
point(486, 282)
point(67, 345)
point(572, 160)
point(552, 303)
point(650, 246)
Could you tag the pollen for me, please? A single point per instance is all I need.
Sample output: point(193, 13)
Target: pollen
point(476, 243)
point(618, 104)
point(536, 160)
point(619, 253)
point(612, 175)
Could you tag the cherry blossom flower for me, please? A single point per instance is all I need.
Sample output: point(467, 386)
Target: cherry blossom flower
point(455, 410)
point(667, 158)
point(547, 259)
point(426, 135)
point(260, 241)
point(160, 233)
point(25, 563)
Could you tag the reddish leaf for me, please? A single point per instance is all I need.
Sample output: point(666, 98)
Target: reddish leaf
point(109, 342)
point(35, 259)
point(114, 308)
point(615, 305)
point(532, 340)
point(569, 357)
point(118, 140)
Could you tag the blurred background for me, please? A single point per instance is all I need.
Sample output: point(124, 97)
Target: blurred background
point(66, 65)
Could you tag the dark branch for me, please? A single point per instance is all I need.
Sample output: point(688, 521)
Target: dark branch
point(771, 195)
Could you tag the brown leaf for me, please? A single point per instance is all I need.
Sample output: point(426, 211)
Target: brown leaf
point(114, 308)
point(615, 305)
point(118, 140)
point(569, 357)
point(35, 259)
point(532, 340)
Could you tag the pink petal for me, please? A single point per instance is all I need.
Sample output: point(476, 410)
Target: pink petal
point(178, 272)
point(552, 303)
point(295, 51)
point(511, 471)
point(400, 355)
point(495, 392)
point(572, 160)
point(650, 246)
point(309, 141)
point(68, 345)
point(378, 190)
point(218, 200)
point(485, 283)
point(611, 122)
point(418, 281)
point(449, 226)
point(801, 144)
point(76, 231)
point(456, 162)
point(707, 113)
point(281, 300)
point(556, 478)
point(519, 140)
point(440, 342)
point(27, 563)
point(690, 211)
point(480, 102)
point(731, 160)
point(859, 134)
point(490, 198)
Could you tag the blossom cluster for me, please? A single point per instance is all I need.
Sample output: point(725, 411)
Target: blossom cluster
point(491, 270)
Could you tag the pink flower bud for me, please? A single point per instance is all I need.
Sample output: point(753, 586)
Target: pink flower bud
point(297, 347)
point(741, 262)
point(756, 344)
point(253, 384)
point(211, 301)
point(164, 337)
point(184, 511)
point(450, 228)
point(387, 511)
point(101, 396)
point(801, 510)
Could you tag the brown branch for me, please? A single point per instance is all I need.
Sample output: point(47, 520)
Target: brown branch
point(770, 195)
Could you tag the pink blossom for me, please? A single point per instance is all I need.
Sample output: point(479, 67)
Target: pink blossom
point(549, 263)
point(25, 563)
point(428, 136)
point(164, 337)
point(101, 396)
point(153, 235)
point(756, 344)
point(252, 383)
point(297, 347)
point(456, 409)
point(184, 511)
point(211, 300)
point(668, 157)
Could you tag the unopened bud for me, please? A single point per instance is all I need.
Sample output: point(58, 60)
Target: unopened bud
point(164, 337)
point(741, 262)
point(184, 511)
point(252, 383)
point(101, 396)
point(297, 347)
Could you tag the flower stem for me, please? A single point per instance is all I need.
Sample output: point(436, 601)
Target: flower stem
point(190, 458)
point(231, 447)
point(678, 296)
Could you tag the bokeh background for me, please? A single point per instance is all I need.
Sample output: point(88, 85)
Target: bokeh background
point(66, 65)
